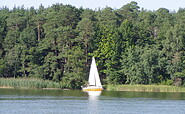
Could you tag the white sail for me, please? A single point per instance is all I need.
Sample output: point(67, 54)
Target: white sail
point(94, 79)
point(91, 74)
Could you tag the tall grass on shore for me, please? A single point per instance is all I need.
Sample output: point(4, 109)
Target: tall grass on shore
point(28, 83)
point(146, 88)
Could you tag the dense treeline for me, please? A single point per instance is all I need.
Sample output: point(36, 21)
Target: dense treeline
point(131, 46)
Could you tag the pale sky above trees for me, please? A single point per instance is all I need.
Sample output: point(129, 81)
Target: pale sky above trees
point(93, 4)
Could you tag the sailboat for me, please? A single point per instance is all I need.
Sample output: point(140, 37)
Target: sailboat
point(94, 83)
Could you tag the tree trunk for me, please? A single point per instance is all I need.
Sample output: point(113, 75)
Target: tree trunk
point(86, 52)
point(38, 28)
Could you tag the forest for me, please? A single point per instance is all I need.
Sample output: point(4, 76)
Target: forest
point(132, 45)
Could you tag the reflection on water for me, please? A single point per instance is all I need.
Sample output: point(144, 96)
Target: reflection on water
point(94, 95)
point(93, 103)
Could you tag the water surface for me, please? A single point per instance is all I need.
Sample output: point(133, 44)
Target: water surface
point(18, 101)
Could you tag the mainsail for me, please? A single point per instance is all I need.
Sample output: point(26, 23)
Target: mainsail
point(94, 79)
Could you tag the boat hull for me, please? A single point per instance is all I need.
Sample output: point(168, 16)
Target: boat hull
point(92, 89)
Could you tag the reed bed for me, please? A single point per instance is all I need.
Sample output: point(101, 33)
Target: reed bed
point(27, 83)
point(146, 88)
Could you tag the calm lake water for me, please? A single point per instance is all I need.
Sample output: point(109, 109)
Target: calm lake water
point(20, 101)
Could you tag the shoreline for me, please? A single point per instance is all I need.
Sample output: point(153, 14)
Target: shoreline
point(145, 88)
point(31, 83)
point(127, 88)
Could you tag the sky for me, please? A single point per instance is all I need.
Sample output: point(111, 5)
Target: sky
point(95, 4)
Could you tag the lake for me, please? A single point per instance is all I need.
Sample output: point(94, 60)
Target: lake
point(29, 101)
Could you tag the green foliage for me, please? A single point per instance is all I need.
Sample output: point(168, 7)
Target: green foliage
point(179, 75)
point(167, 82)
point(131, 46)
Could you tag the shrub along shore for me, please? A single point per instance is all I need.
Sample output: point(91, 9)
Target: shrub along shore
point(146, 88)
point(28, 83)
